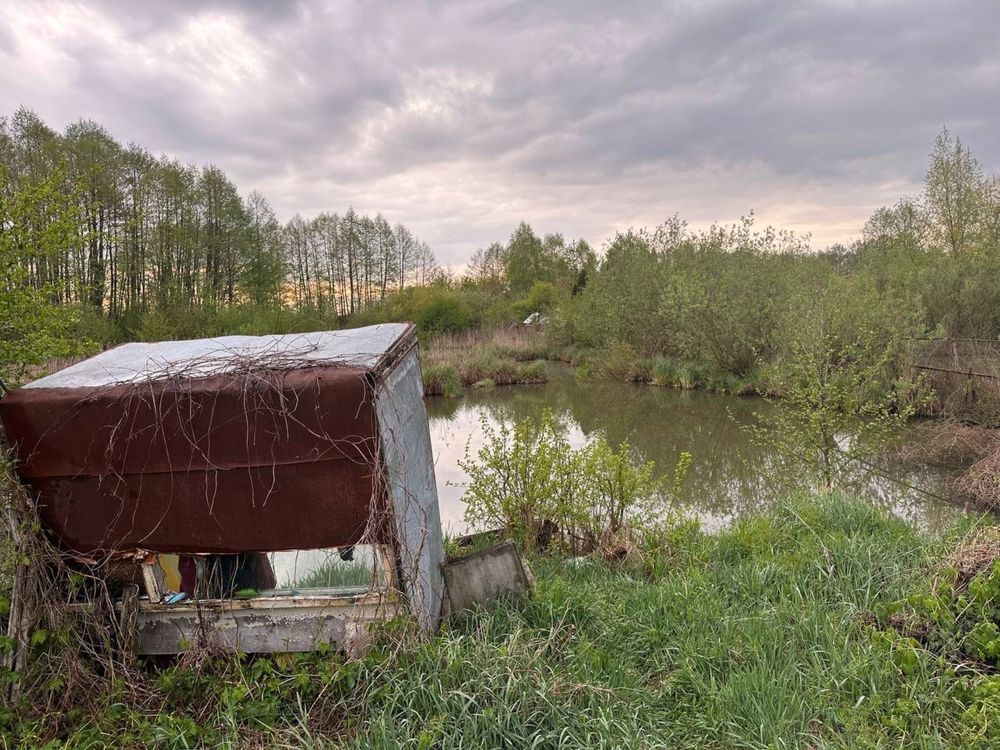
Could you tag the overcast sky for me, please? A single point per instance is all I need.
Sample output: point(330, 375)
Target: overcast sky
point(581, 117)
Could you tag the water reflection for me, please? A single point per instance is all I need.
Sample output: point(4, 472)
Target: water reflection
point(729, 475)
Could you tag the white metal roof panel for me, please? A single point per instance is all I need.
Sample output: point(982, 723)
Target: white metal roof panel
point(360, 347)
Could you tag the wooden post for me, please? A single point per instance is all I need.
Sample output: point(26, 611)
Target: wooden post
point(128, 635)
point(152, 576)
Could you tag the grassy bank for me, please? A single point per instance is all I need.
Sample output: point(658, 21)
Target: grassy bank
point(777, 632)
point(512, 355)
point(620, 362)
point(483, 358)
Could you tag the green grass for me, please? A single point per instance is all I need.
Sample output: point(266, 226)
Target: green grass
point(670, 373)
point(759, 636)
point(441, 380)
point(482, 358)
point(337, 574)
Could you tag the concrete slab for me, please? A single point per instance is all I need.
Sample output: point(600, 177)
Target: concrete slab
point(484, 577)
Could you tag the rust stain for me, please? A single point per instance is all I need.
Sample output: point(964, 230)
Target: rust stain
point(221, 464)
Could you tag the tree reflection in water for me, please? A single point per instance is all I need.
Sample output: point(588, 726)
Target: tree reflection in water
point(730, 475)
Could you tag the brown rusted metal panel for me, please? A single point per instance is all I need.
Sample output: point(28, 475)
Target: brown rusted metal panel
point(273, 460)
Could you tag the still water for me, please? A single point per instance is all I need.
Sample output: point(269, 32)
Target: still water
point(730, 475)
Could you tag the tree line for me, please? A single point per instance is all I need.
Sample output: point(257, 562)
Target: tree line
point(157, 249)
point(502, 284)
point(121, 232)
point(732, 298)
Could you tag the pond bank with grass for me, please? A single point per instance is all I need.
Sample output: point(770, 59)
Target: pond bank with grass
point(730, 475)
point(515, 355)
point(815, 624)
point(505, 356)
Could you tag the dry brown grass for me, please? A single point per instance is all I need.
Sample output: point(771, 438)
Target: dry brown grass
point(964, 376)
point(66, 659)
point(948, 443)
point(973, 449)
point(981, 481)
point(520, 343)
point(502, 356)
point(974, 554)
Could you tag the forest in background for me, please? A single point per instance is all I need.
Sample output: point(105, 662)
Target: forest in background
point(104, 243)
point(136, 243)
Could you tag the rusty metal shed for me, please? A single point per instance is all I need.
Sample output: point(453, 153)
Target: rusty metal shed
point(241, 445)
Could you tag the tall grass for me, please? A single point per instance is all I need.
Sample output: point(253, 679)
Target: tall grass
point(757, 637)
point(502, 356)
point(521, 343)
point(620, 362)
point(752, 639)
point(441, 380)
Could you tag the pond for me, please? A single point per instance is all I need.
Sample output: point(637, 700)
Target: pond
point(730, 474)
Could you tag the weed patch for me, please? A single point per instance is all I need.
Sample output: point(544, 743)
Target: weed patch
point(773, 633)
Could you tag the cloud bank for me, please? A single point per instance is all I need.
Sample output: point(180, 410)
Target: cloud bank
point(461, 119)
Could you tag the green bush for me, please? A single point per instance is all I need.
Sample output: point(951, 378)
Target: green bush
point(619, 361)
point(441, 380)
point(445, 312)
point(618, 493)
point(528, 482)
point(542, 298)
point(522, 481)
point(837, 374)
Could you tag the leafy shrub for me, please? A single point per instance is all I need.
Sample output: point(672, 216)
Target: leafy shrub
point(542, 297)
point(530, 483)
point(620, 362)
point(523, 480)
point(446, 312)
point(837, 375)
point(955, 617)
point(617, 492)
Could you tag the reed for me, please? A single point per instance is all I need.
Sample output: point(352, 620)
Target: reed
point(502, 356)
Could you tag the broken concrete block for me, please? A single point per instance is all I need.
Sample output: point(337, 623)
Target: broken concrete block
point(484, 577)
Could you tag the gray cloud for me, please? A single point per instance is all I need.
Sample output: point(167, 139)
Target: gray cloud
point(581, 117)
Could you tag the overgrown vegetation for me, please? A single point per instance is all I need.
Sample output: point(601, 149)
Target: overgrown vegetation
point(147, 244)
point(840, 379)
point(528, 483)
point(725, 297)
point(777, 632)
point(820, 623)
point(128, 246)
point(32, 329)
point(504, 356)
